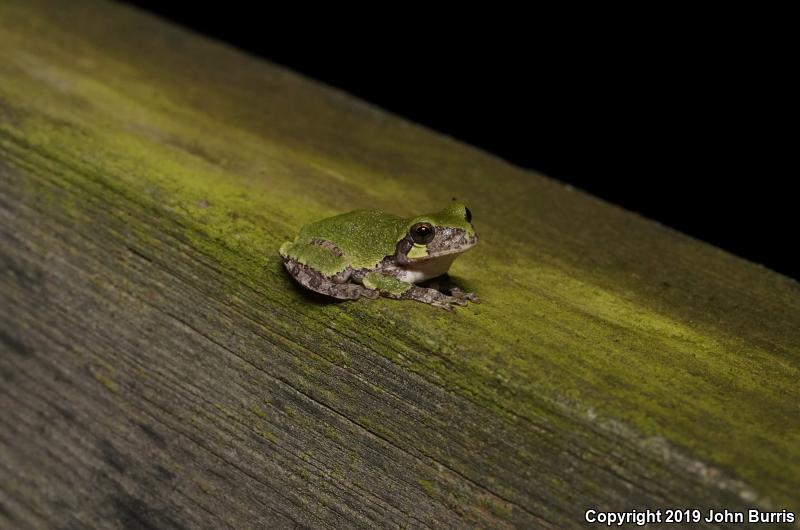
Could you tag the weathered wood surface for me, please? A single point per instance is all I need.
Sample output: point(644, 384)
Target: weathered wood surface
point(158, 369)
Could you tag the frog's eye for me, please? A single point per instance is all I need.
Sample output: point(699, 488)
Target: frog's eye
point(422, 233)
point(467, 214)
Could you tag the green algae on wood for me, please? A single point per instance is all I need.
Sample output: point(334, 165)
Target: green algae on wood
point(148, 179)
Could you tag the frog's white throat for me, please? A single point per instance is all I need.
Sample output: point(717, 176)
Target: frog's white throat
point(421, 270)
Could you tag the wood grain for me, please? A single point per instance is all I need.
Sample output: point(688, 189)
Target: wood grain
point(160, 370)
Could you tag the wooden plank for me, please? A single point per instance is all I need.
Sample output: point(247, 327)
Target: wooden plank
point(160, 370)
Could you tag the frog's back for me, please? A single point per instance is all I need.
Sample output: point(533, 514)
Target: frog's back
point(364, 236)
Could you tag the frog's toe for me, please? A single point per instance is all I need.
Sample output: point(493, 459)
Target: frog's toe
point(449, 303)
point(447, 306)
point(456, 292)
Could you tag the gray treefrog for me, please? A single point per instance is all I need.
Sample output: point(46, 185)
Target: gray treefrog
point(371, 253)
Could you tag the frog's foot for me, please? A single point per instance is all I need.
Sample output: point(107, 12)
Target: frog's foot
point(433, 297)
point(456, 292)
point(337, 286)
point(445, 285)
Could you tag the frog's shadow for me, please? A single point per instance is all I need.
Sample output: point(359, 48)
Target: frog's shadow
point(317, 298)
point(445, 283)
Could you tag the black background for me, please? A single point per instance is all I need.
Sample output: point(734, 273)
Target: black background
point(689, 121)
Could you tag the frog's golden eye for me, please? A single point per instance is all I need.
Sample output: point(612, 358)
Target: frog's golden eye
point(467, 214)
point(422, 233)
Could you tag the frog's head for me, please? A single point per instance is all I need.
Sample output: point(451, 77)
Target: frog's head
point(437, 235)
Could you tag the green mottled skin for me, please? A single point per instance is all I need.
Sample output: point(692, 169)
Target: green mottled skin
point(587, 308)
point(365, 237)
point(384, 283)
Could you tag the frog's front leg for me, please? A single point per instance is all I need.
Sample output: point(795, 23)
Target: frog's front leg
point(336, 286)
point(446, 285)
point(392, 287)
point(433, 297)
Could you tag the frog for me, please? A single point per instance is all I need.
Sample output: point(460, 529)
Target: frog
point(369, 254)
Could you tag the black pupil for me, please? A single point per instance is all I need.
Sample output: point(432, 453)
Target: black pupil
point(422, 234)
point(468, 215)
